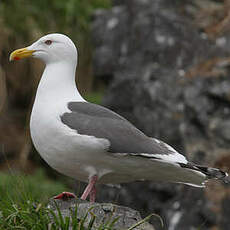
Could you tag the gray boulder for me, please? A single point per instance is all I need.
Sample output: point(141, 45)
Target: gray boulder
point(104, 213)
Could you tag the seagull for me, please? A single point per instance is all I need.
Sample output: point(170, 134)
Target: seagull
point(89, 142)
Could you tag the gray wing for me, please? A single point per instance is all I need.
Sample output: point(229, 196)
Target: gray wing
point(94, 120)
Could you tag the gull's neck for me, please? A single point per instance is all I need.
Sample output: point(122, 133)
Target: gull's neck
point(58, 84)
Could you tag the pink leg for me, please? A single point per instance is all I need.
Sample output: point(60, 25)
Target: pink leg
point(65, 196)
point(92, 195)
point(90, 187)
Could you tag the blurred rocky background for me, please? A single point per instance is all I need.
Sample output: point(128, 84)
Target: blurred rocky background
point(162, 64)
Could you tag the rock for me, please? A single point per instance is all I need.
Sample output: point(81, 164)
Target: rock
point(103, 212)
point(172, 82)
point(148, 53)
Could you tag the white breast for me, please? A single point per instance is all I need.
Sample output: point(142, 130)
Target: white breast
point(63, 148)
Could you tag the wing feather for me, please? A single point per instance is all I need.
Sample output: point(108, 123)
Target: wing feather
point(94, 120)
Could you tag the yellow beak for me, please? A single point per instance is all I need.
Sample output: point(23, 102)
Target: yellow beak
point(21, 53)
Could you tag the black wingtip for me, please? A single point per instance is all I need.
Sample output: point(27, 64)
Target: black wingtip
point(211, 173)
point(217, 173)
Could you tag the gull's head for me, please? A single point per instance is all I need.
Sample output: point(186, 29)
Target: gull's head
point(50, 49)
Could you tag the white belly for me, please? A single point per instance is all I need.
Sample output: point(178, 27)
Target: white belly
point(64, 149)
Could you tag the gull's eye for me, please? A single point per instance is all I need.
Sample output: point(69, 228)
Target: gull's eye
point(48, 42)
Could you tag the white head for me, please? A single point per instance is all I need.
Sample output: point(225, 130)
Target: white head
point(51, 48)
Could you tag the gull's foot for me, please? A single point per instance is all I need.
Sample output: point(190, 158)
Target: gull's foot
point(65, 196)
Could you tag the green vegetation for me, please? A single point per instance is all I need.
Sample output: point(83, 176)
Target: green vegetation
point(24, 20)
point(24, 200)
point(25, 16)
point(38, 217)
point(23, 205)
point(19, 187)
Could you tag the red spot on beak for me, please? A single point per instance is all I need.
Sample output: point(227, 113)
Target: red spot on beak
point(16, 58)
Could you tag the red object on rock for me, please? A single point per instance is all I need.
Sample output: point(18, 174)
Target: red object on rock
point(65, 196)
